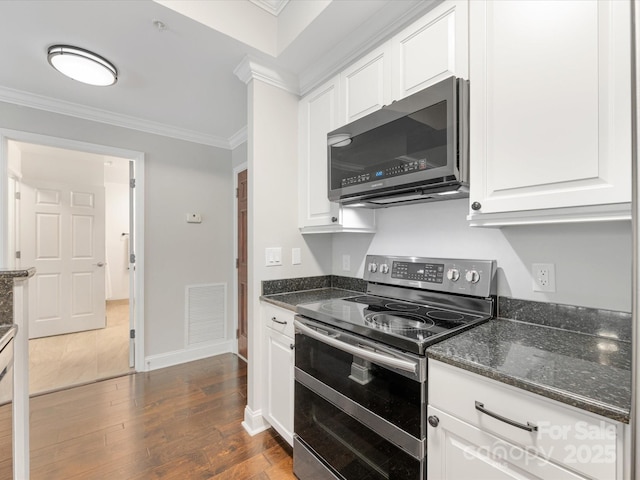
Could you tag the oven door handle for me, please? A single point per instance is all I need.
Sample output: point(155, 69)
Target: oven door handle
point(379, 358)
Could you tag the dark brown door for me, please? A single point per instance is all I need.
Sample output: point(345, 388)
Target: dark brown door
point(243, 350)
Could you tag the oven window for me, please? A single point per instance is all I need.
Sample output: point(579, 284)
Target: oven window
point(351, 449)
point(397, 399)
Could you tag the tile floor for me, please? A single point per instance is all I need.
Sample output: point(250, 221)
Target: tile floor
point(77, 358)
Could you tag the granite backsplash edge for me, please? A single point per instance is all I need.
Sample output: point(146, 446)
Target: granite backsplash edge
point(288, 285)
point(609, 324)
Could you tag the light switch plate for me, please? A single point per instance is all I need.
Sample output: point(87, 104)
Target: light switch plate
point(273, 256)
point(295, 256)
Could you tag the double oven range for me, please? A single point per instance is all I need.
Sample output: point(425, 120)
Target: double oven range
point(361, 368)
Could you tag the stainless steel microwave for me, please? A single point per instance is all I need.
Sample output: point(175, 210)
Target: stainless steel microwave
point(413, 150)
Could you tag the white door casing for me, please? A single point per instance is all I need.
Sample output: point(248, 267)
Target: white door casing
point(63, 236)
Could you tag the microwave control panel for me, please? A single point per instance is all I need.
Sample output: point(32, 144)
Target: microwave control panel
point(392, 171)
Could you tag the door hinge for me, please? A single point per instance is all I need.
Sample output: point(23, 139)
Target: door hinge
point(132, 258)
point(237, 333)
point(237, 263)
point(17, 195)
point(18, 254)
point(132, 333)
point(132, 183)
point(237, 194)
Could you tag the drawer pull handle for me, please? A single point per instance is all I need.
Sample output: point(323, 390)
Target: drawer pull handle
point(274, 319)
point(529, 427)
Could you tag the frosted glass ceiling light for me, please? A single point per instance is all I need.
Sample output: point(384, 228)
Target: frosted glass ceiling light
point(82, 65)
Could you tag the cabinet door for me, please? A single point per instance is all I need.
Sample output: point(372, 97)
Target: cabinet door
point(550, 95)
point(318, 115)
point(366, 85)
point(459, 451)
point(280, 384)
point(431, 49)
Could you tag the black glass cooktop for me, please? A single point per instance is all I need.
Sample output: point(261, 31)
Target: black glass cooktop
point(408, 326)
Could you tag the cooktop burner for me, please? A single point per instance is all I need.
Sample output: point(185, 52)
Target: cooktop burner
point(406, 325)
point(398, 322)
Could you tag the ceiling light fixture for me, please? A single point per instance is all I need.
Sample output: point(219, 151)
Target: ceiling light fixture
point(82, 65)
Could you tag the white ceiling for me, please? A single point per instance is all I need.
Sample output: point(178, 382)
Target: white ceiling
point(179, 81)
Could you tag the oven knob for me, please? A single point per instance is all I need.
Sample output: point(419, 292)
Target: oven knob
point(384, 268)
point(453, 274)
point(433, 420)
point(373, 267)
point(472, 276)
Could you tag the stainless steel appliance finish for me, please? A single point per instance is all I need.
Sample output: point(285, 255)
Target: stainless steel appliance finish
point(361, 370)
point(414, 150)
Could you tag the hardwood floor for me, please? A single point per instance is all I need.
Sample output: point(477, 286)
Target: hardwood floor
point(181, 422)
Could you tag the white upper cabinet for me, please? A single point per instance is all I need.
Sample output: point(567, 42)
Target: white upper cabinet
point(366, 84)
point(431, 49)
point(550, 111)
point(318, 115)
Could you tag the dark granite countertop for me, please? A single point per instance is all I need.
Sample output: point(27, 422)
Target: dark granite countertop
point(7, 332)
point(586, 371)
point(291, 299)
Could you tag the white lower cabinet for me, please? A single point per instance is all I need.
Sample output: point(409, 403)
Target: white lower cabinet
point(460, 451)
point(483, 429)
point(279, 367)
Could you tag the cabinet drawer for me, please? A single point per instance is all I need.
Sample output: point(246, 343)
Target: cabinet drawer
point(583, 442)
point(279, 319)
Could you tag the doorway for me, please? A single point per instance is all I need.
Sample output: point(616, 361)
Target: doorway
point(96, 325)
point(242, 262)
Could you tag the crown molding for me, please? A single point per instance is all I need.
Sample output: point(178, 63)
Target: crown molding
point(274, 7)
point(251, 69)
point(238, 138)
point(362, 40)
point(53, 105)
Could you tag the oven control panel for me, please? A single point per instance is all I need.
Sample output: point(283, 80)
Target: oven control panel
point(463, 276)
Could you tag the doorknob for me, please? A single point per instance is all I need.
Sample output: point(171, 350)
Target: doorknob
point(100, 264)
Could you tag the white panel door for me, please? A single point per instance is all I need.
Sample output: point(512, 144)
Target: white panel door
point(63, 237)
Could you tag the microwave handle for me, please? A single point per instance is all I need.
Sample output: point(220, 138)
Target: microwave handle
point(379, 358)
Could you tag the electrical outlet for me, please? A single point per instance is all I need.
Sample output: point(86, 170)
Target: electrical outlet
point(544, 277)
point(296, 258)
point(346, 262)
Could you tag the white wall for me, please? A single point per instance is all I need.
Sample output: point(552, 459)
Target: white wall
point(592, 260)
point(239, 155)
point(116, 192)
point(273, 216)
point(62, 166)
point(180, 177)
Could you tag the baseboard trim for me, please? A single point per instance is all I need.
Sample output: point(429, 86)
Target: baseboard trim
point(254, 422)
point(169, 359)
